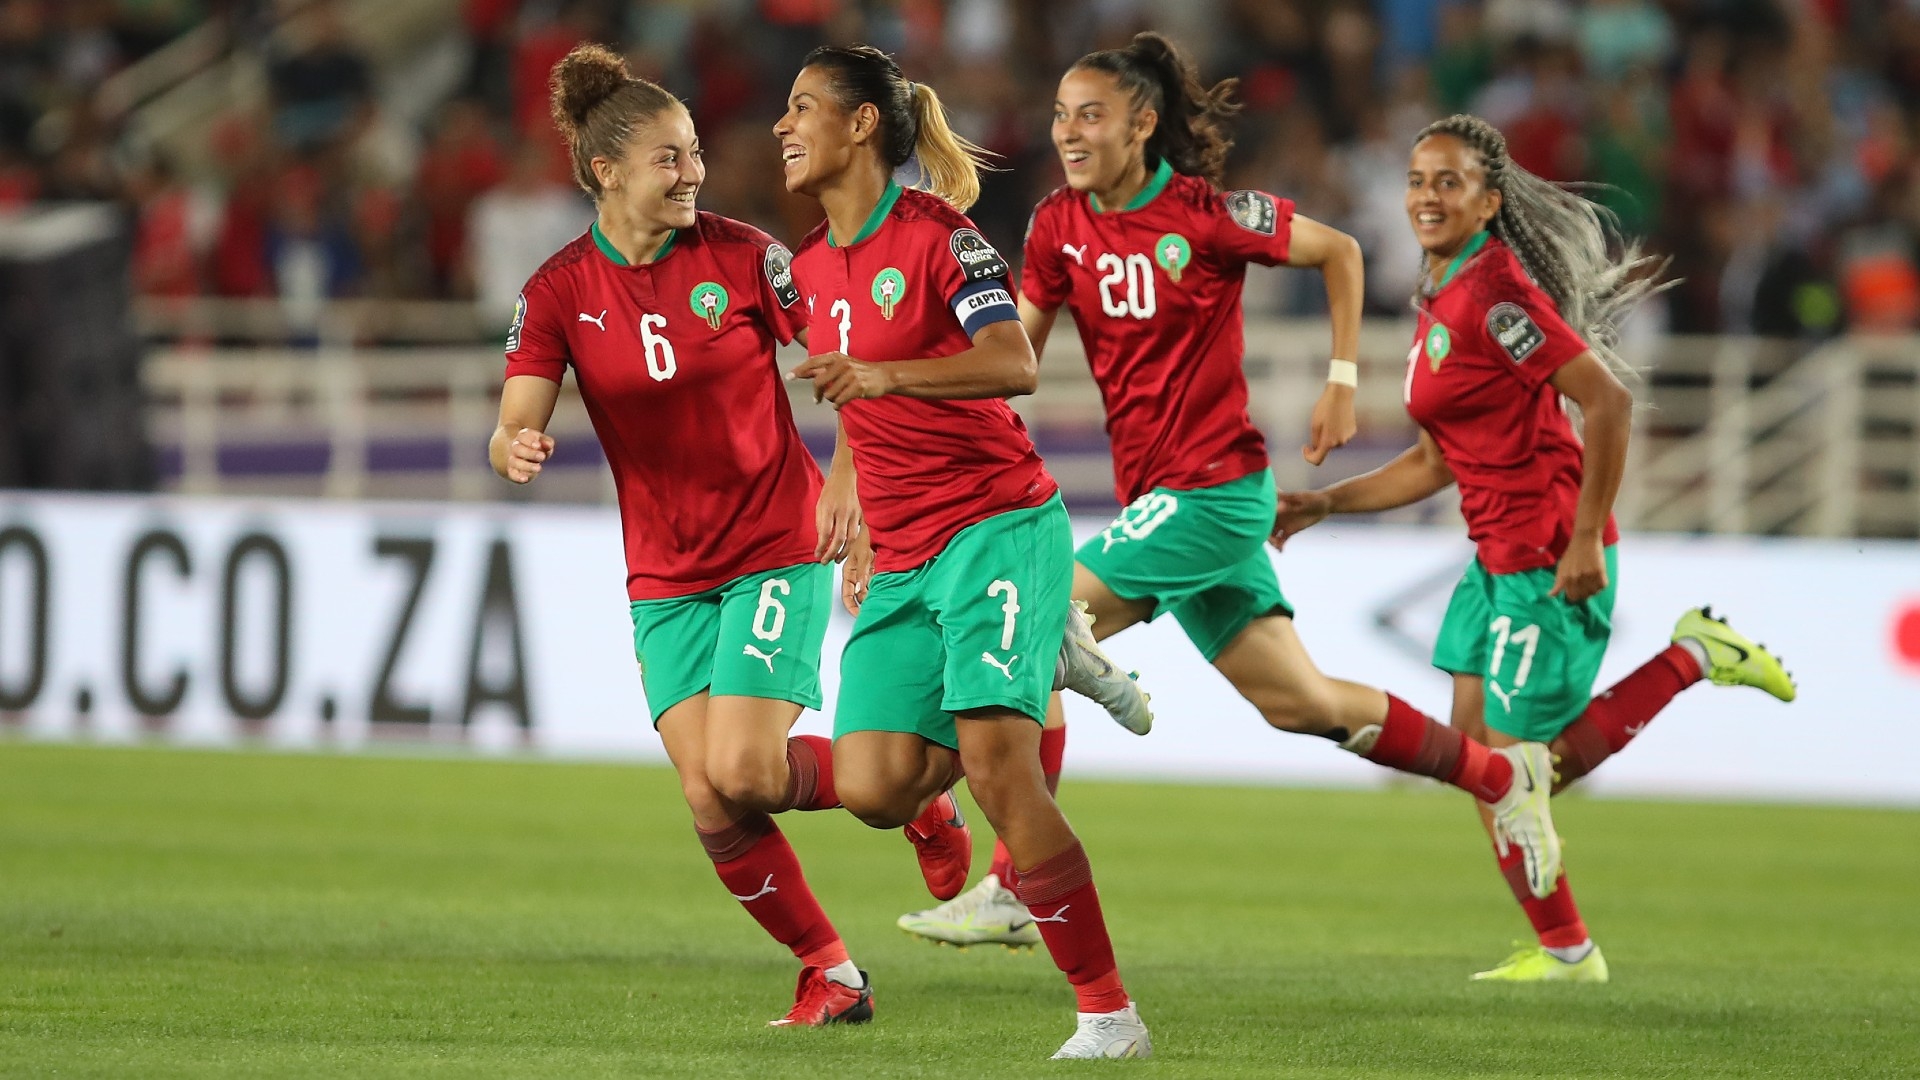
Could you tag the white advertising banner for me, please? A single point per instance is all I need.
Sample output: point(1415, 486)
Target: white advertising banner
point(324, 624)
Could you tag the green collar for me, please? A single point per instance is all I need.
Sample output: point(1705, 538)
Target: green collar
point(1473, 248)
point(875, 219)
point(1156, 184)
point(613, 253)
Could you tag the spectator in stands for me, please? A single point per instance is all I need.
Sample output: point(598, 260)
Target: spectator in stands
point(320, 81)
point(515, 226)
point(461, 163)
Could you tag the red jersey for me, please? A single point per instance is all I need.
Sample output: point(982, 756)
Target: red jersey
point(1477, 382)
point(675, 362)
point(1155, 289)
point(918, 282)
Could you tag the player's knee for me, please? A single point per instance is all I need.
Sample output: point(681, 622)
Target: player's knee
point(751, 780)
point(878, 805)
point(702, 797)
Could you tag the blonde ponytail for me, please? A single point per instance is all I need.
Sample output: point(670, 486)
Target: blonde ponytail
point(950, 162)
point(912, 122)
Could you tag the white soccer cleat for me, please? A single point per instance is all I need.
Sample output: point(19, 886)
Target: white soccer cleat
point(1522, 816)
point(1108, 1035)
point(1085, 669)
point(987, 914)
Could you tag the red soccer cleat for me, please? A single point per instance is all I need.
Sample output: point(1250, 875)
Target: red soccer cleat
point(945, 847)
point(819, 1001)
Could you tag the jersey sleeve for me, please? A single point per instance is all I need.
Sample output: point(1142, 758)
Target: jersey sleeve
point(1254, 227)
point(1522, 325)
point(1043, 270)
point(537, 340)
point(972, 278)
point(779, 292)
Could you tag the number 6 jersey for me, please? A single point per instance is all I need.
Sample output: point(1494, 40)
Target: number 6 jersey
point(1154, 288)
point(675, 363)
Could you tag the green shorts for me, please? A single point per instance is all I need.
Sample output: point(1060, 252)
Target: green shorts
point(978, 625)
point(1201, 554)
point(1538, 654)
point(758, 635)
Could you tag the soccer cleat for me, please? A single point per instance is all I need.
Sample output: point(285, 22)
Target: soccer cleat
point(987, 914)
point(1085, 669)
point(1108, 1035)
point(1523, 817)
point(944, 846)
point(819, 1001)
point(1732, 658)
point(1535, 964)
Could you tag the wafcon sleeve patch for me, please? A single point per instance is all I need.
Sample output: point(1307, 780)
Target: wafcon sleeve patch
point(779, 269)
point(1253, 211)
point(977, 258)
point(983, 304)
point(519, 323)
point(1515, 331)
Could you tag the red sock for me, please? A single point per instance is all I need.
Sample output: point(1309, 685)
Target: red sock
point(1612, 720)
point(1414, 742)
point(1053, 750)
point(759, 868)
point(1556, 919)
point(1059, 891)
point(810, 774)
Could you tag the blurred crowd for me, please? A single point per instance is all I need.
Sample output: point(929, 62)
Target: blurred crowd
point(1771, 148)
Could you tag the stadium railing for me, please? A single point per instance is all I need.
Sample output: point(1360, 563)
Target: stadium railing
point(385, 400)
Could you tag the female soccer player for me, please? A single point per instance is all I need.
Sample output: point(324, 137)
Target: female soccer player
point(1150, 257)
point(963, 608)
point(669, 318)
point(1514, 265)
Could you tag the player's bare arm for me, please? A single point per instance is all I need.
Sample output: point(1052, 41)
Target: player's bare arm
point(1337, 256)
point(1038, 323)
point(1000, 364)
point(520, 444)
point(1607, 407)
point(837, 514)
point(1417, 473)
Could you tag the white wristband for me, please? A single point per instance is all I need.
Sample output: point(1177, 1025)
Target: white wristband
point(1343, 372)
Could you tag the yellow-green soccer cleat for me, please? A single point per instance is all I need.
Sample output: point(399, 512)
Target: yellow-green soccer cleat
point(1733, 659)
point(1535, 964)
point(987, 914)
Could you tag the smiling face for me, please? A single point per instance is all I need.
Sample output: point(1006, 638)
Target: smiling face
point(817, 137)
point(658, 176)
point(1099, 135)
point(1448, 200)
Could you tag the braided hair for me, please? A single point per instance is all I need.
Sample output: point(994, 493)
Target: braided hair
point(1567, 244)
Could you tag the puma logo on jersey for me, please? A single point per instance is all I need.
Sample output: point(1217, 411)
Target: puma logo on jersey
point(767, 658)
point(1058, 916)
point(1079, 254)
point(1635, 729)
point(1005, 669)
point(766, 889)
point(599, 320)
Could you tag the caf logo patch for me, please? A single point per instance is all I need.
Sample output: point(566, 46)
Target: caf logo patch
point(1173, 253)
point(779, 270)
point(519, 320)
point(709, 301)
point(1253, 211)
point(977, 258)
point(1515, 330)
point(1439, 345)
point(889, 287)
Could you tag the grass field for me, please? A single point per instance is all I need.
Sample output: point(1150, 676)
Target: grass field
point(170, 913)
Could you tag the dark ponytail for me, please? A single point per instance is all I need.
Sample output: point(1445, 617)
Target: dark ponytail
point(912, 121)
point(1195, 122)
point(597, 104)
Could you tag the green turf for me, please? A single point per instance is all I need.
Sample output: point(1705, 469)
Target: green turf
point(167, 913)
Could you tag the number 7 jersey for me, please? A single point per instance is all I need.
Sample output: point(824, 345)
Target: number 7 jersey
point(675, 363)
point(1154, 288)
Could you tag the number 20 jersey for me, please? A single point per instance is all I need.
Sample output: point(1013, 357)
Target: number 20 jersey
point(1154, 289)
point(675, 364)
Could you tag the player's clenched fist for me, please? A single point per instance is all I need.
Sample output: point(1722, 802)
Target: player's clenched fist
point(840, 378)
point(526, 452)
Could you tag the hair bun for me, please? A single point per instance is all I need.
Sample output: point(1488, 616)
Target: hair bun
point(584, 78)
